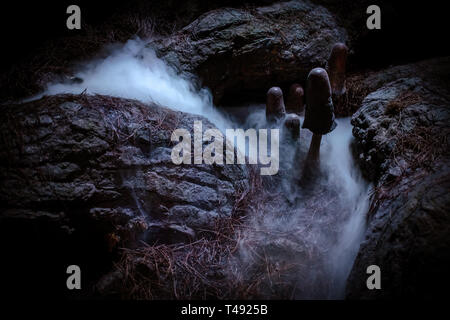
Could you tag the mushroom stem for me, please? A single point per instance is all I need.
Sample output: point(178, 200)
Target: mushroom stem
point(311, 166)
point(313, 156)
point(319, 117)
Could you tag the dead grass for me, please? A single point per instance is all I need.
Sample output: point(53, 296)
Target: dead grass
point(419, 148)
point(349, 102)
point(196, 270)
point(180, 271)
point(423, 146)
point(242, 257)
point(211, 267)
point(117, 112)
point(405, 99)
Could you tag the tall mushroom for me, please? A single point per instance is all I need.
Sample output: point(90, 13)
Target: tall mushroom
point(336, 68)
point(275, 104)
point(319, 115)
point(294, 101)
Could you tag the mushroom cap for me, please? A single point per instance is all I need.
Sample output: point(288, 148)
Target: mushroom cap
point(275, 103)
point(338, 58)
point(295, 98)
point(296, 89)
point(336, 68)
point(292, 124)
point(319, 113)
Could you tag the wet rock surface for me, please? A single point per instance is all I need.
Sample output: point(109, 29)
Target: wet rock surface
point(402, 135)
point(253, 49)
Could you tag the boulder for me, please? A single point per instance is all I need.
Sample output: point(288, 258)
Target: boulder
point(247, 51)
point(81, 176)
point(402, 141)
point(110, 157)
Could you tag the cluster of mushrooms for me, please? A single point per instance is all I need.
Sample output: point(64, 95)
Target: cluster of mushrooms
point(319, 118)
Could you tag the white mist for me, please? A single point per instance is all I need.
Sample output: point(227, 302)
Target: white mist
point(135, 72)
point(354, 194)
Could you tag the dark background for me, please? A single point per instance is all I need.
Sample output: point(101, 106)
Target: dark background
point(410, 31)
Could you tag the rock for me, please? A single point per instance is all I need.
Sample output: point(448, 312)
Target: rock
point(433, 71)
point(246, 51)
point(114, 157)
point(169, 233)
point(402, 135)
point(417, 92)
point(408, 238)
point(102, 178)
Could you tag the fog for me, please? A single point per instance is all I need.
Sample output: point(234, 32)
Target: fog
point(302, 239)
point(305, 238)
point(133, 71)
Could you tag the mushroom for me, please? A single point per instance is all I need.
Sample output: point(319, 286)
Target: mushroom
point(336, 68)
point(292, 124)
point(275, 104)
point(295, 99)
point(319, 114)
